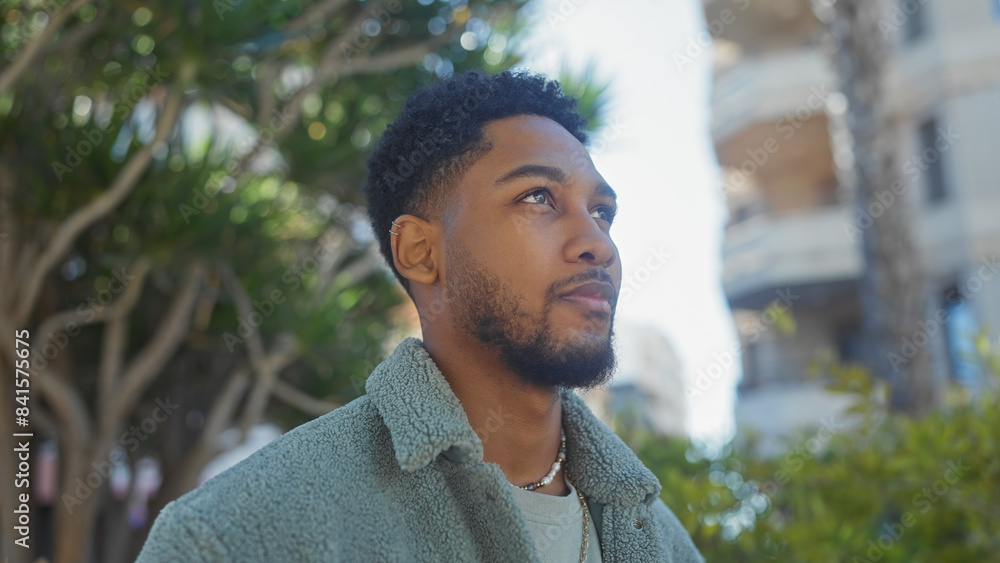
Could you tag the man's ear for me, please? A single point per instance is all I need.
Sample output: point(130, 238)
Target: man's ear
point(413, 249)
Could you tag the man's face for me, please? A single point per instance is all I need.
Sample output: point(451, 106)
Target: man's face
point(530, 268)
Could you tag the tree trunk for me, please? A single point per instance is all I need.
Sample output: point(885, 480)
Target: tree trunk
point(73, 528)
point(891, 289)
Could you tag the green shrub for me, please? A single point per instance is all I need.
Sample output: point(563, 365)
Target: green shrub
point(888, 488)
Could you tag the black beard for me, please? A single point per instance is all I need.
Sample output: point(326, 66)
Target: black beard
point(484, 306)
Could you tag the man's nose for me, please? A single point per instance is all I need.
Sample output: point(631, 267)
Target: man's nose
point(590, 243)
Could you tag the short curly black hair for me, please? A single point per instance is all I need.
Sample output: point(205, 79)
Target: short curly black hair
point(439, 135)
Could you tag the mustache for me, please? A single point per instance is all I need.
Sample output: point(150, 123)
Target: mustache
point(593, 274)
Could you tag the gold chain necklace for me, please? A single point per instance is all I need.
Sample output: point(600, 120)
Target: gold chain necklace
point(586, 520)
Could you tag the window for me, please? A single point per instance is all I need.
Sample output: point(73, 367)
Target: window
point(915, 23)
point(960, 331)
point(850, 344)
point(741, 214)
point(751, 378)
point(930, 159)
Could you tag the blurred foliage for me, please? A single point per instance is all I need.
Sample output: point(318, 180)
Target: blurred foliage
point(73, 123)
point(877, 486)
point(592, 95)
point(260, 175)
point(779, 314)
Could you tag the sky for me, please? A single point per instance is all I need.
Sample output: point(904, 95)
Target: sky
point(656, 152)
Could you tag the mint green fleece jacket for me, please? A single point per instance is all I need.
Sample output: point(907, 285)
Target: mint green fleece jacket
point(398, 475)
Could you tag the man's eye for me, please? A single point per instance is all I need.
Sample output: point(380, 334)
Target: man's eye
point(604, 212)
point(538, 196)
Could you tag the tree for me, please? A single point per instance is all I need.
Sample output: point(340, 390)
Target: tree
point(891, 291)
point(181, 230)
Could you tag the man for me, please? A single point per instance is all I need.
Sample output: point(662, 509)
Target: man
point(491, 214)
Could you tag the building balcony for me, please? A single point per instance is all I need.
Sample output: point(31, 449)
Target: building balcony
point(760, 26)
point(783, 88)
point(807, 250)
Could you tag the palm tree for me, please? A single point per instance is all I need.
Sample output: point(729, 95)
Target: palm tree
point(892, 290)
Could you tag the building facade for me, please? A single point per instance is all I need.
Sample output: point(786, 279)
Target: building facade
point(793, 227)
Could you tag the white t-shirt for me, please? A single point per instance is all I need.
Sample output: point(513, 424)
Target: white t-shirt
point(556, 525)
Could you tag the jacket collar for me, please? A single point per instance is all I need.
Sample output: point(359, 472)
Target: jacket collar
point(425, 419)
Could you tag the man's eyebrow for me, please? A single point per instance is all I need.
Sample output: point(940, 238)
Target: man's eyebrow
point(604, 189)
point(550, 173)
point(533, 170)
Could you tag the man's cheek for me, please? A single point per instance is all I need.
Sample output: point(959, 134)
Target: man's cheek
point(521, 225)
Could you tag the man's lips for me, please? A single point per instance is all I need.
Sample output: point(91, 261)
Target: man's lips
point(595, 296)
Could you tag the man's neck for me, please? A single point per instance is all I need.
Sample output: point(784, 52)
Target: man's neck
point(518, 423)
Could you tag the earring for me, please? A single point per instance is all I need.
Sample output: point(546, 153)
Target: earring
point(394, 225)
